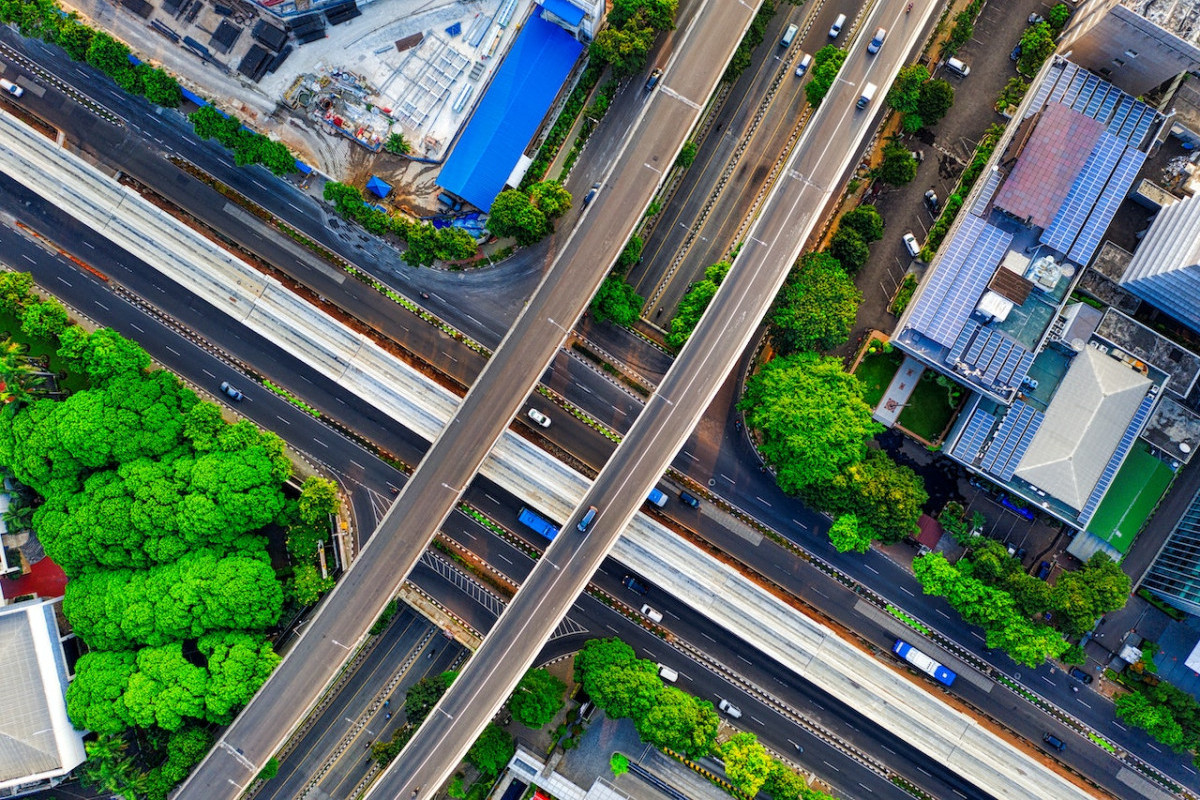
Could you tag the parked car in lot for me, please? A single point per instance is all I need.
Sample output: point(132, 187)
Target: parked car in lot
point(230, 392)
point(911, 245)
point(1043, 570)
point(538, 417)
point(931, 200)
point(1080, 675)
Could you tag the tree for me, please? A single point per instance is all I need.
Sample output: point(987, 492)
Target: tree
point(17, 374)
point(16, 291)
point(598, 655)
point(537, 698)
point(159, 87)
point(681, 723)
point(1037, 43)
point(185, 748)
point(44, 319)
point(238, 663)
point(747, 763)
point(94, 698)
point(1137, 709)
point(269, 770)
point(492, 750)
point(551, 198)
point(112, 58)
point(694, 304)
point(616, 301)
point(906, 88)
point(103, 355)
point(631, 253)
point(513, 215)
point(866, 222)
point(624, 48)
point(826, 63)
point(307, 586)
point(785, 784)
point(885, 497)
point(816, 307)
point(110, 769)
point(658, 14)
point(898, 167)
point(845, 535)
point(1057, 17)
point(74, 37)
point(935, 99)
point(423, 695)
point(687, 154)
point(276, 157)
point(848, 247)
point(421, 240)
point(397, 144)
point(1079, 597)
point(319, 499)
point(630, 691)
point(810, 417)
point(619, 764)
point(454, 244)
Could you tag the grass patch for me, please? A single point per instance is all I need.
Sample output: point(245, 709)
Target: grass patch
point(10, 326)
point(929, 409)
point(876, 371)
point(908, 620)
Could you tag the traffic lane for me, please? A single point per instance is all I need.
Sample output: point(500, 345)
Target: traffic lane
point(337, 720)
point(805, 698)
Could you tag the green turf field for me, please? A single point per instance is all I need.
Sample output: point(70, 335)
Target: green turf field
point(1132, 496)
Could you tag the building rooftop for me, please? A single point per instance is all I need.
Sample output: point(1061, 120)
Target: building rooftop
point(1179, 17)
point(1090, 411)
point(37, 740)
point(1181, 364)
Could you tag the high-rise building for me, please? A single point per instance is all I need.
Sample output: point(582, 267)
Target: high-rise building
point(1175, 574)
point(1135, 44)
point(1165, 269)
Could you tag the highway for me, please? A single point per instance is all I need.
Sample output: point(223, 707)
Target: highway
point(828, 147)
point(721, 454)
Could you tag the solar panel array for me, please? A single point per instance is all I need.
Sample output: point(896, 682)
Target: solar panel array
point(1128, 119)
point(986, 194)
point(970, 443)
point(1092, 202)
point(1118, 457)
point(989, 357)
point(960, 280)
point(1008, 446)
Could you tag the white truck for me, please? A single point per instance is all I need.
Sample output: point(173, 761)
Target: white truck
point(868, 94)
point(11, 88)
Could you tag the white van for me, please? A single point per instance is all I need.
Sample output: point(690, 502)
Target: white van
point(652, 614)
point(802, 67)
point(11, 88)
point(788, 36)
point(958, 67)
point(667, 674)
point(835, 29)
point(868, 94)
point(730, 709)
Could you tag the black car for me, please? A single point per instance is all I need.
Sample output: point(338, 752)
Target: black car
point(1055, 742)
point(634, 584)
point(1080, 675)
point(231, 392)
point(689, 499)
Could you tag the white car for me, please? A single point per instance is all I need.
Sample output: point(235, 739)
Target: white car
point(911, 245)
point(540, 418)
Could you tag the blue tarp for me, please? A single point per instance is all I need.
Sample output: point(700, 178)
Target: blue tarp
point(565, 10)
point(379, 187)
point(304, 169)
point(509, 113)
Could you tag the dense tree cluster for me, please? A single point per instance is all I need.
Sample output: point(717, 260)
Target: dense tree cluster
point(898, 166)
point(753, 37)
point(922, 102)
point(200, 592)
point(816, 307)
point(885, 497)
point(616, 301)
point(826, 63)
point(248, 147)
point(1037, 43)
point(623, 685)
point(426, 243)
point(632, 27)
point(528, 215)
point(856, 230)
point(694, 303)
point(1169, 714)
point(537, 698)
point(810, 417)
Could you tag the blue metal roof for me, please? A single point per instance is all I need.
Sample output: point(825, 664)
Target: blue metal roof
point(565, 10)
point(379, 186)
point(509, 113)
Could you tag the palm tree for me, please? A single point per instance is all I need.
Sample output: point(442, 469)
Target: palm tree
point(111, 770)
point(16, 372)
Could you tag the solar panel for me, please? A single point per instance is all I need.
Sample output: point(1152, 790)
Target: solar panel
point(960, 344)
point(986, 193)
point(1118, 457)
point(1083, 194)
point(940, 314)
point(1111, 98)
point(1072, 94)
point(1106, 206)
point(1130, 123)
point(1033, 422)
point(973, 436)
point(1086, 93)
point(1143, 128)
point(1122, 114)
point(1096, 100)
point(1051, 91)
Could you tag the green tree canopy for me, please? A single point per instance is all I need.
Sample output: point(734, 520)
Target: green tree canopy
point(616, 301)
point(906, 89)
point(624, 48)
point(747, 763)
point(865, 220)
point(898, 167)
point(159, 87)
point(102, 355)
point(658, 14)
point(318, 500)
point(551, 198)
point(885, 497)
point(396, 144)
point(1037, 43)
point(492, 750)
point(934, 101)
point(845, 535)
point(826, 63)
point(681, 723)
point(694, 304)
point(537, 698)
point(849, 248)
point(596, 656)
point(810, 417)
point(425, 694)
point(513, 215)
point(45, 319)
point(16, 291)
point(816, 307)
point(1057, 16)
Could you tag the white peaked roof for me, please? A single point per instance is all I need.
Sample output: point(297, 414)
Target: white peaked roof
point(37, 740)
point(1083, 425)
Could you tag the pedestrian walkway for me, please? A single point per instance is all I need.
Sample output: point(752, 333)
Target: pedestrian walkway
point(895, 398)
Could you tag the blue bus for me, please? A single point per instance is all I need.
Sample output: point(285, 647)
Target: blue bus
point(923, 662)
point(538, 523)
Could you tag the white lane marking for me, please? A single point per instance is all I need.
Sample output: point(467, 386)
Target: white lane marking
point(172, 349)
point(318, 441)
